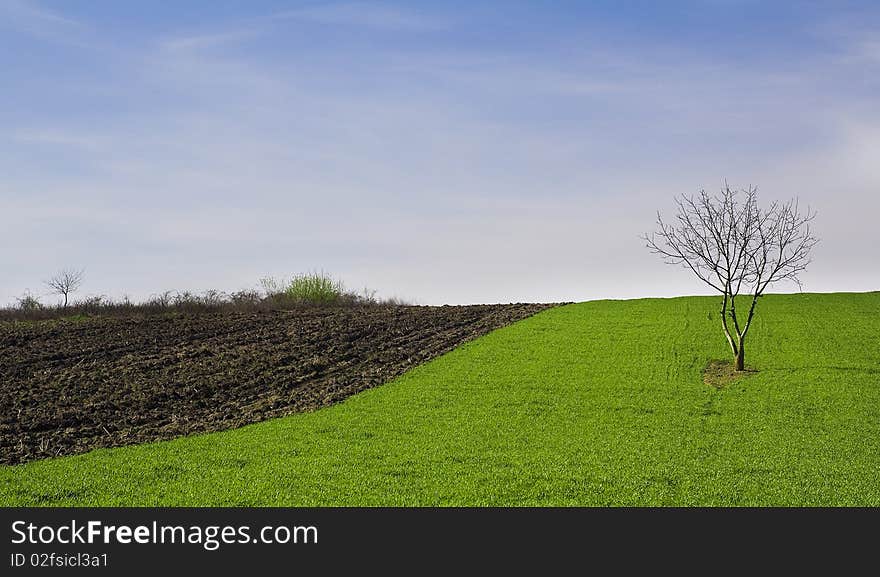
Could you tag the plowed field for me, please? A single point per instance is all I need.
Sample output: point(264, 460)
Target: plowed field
point(68, 387)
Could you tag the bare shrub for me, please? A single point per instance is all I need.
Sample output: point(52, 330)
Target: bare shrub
point(29, 303)
point(302, 290)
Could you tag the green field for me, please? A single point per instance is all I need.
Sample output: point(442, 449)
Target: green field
point(598, 403)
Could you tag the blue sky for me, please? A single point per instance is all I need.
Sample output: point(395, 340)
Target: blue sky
point(441, 152)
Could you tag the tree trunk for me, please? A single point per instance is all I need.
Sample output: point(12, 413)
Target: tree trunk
point(741, 357)
point(727, 334)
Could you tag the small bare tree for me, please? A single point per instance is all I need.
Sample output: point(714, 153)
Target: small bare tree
point(65, 283)
point(734, 246)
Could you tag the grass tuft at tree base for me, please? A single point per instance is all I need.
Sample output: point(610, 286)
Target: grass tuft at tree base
point(722, 373)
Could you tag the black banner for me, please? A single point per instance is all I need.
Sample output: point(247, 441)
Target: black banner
point(329, 540)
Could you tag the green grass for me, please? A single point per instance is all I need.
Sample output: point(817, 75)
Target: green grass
point(599, 403)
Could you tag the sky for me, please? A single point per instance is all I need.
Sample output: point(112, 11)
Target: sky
point(440, 152)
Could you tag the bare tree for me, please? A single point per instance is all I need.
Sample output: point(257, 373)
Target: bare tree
point(65, 283)
point(735, 247)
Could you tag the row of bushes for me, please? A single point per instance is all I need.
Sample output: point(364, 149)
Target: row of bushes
point(316, 289)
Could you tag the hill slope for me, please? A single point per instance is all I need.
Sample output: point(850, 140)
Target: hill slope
point(597, 403)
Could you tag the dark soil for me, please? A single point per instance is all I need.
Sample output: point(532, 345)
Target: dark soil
point(68, 387)
point(722, 373)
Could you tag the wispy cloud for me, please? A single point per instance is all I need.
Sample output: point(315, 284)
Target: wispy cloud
point(31, 18)
point(367, 15)
point(853, 33)
point(870, 50)
point(196, 42)
point(24, 10)
point(57, 137)
point(363, 14)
